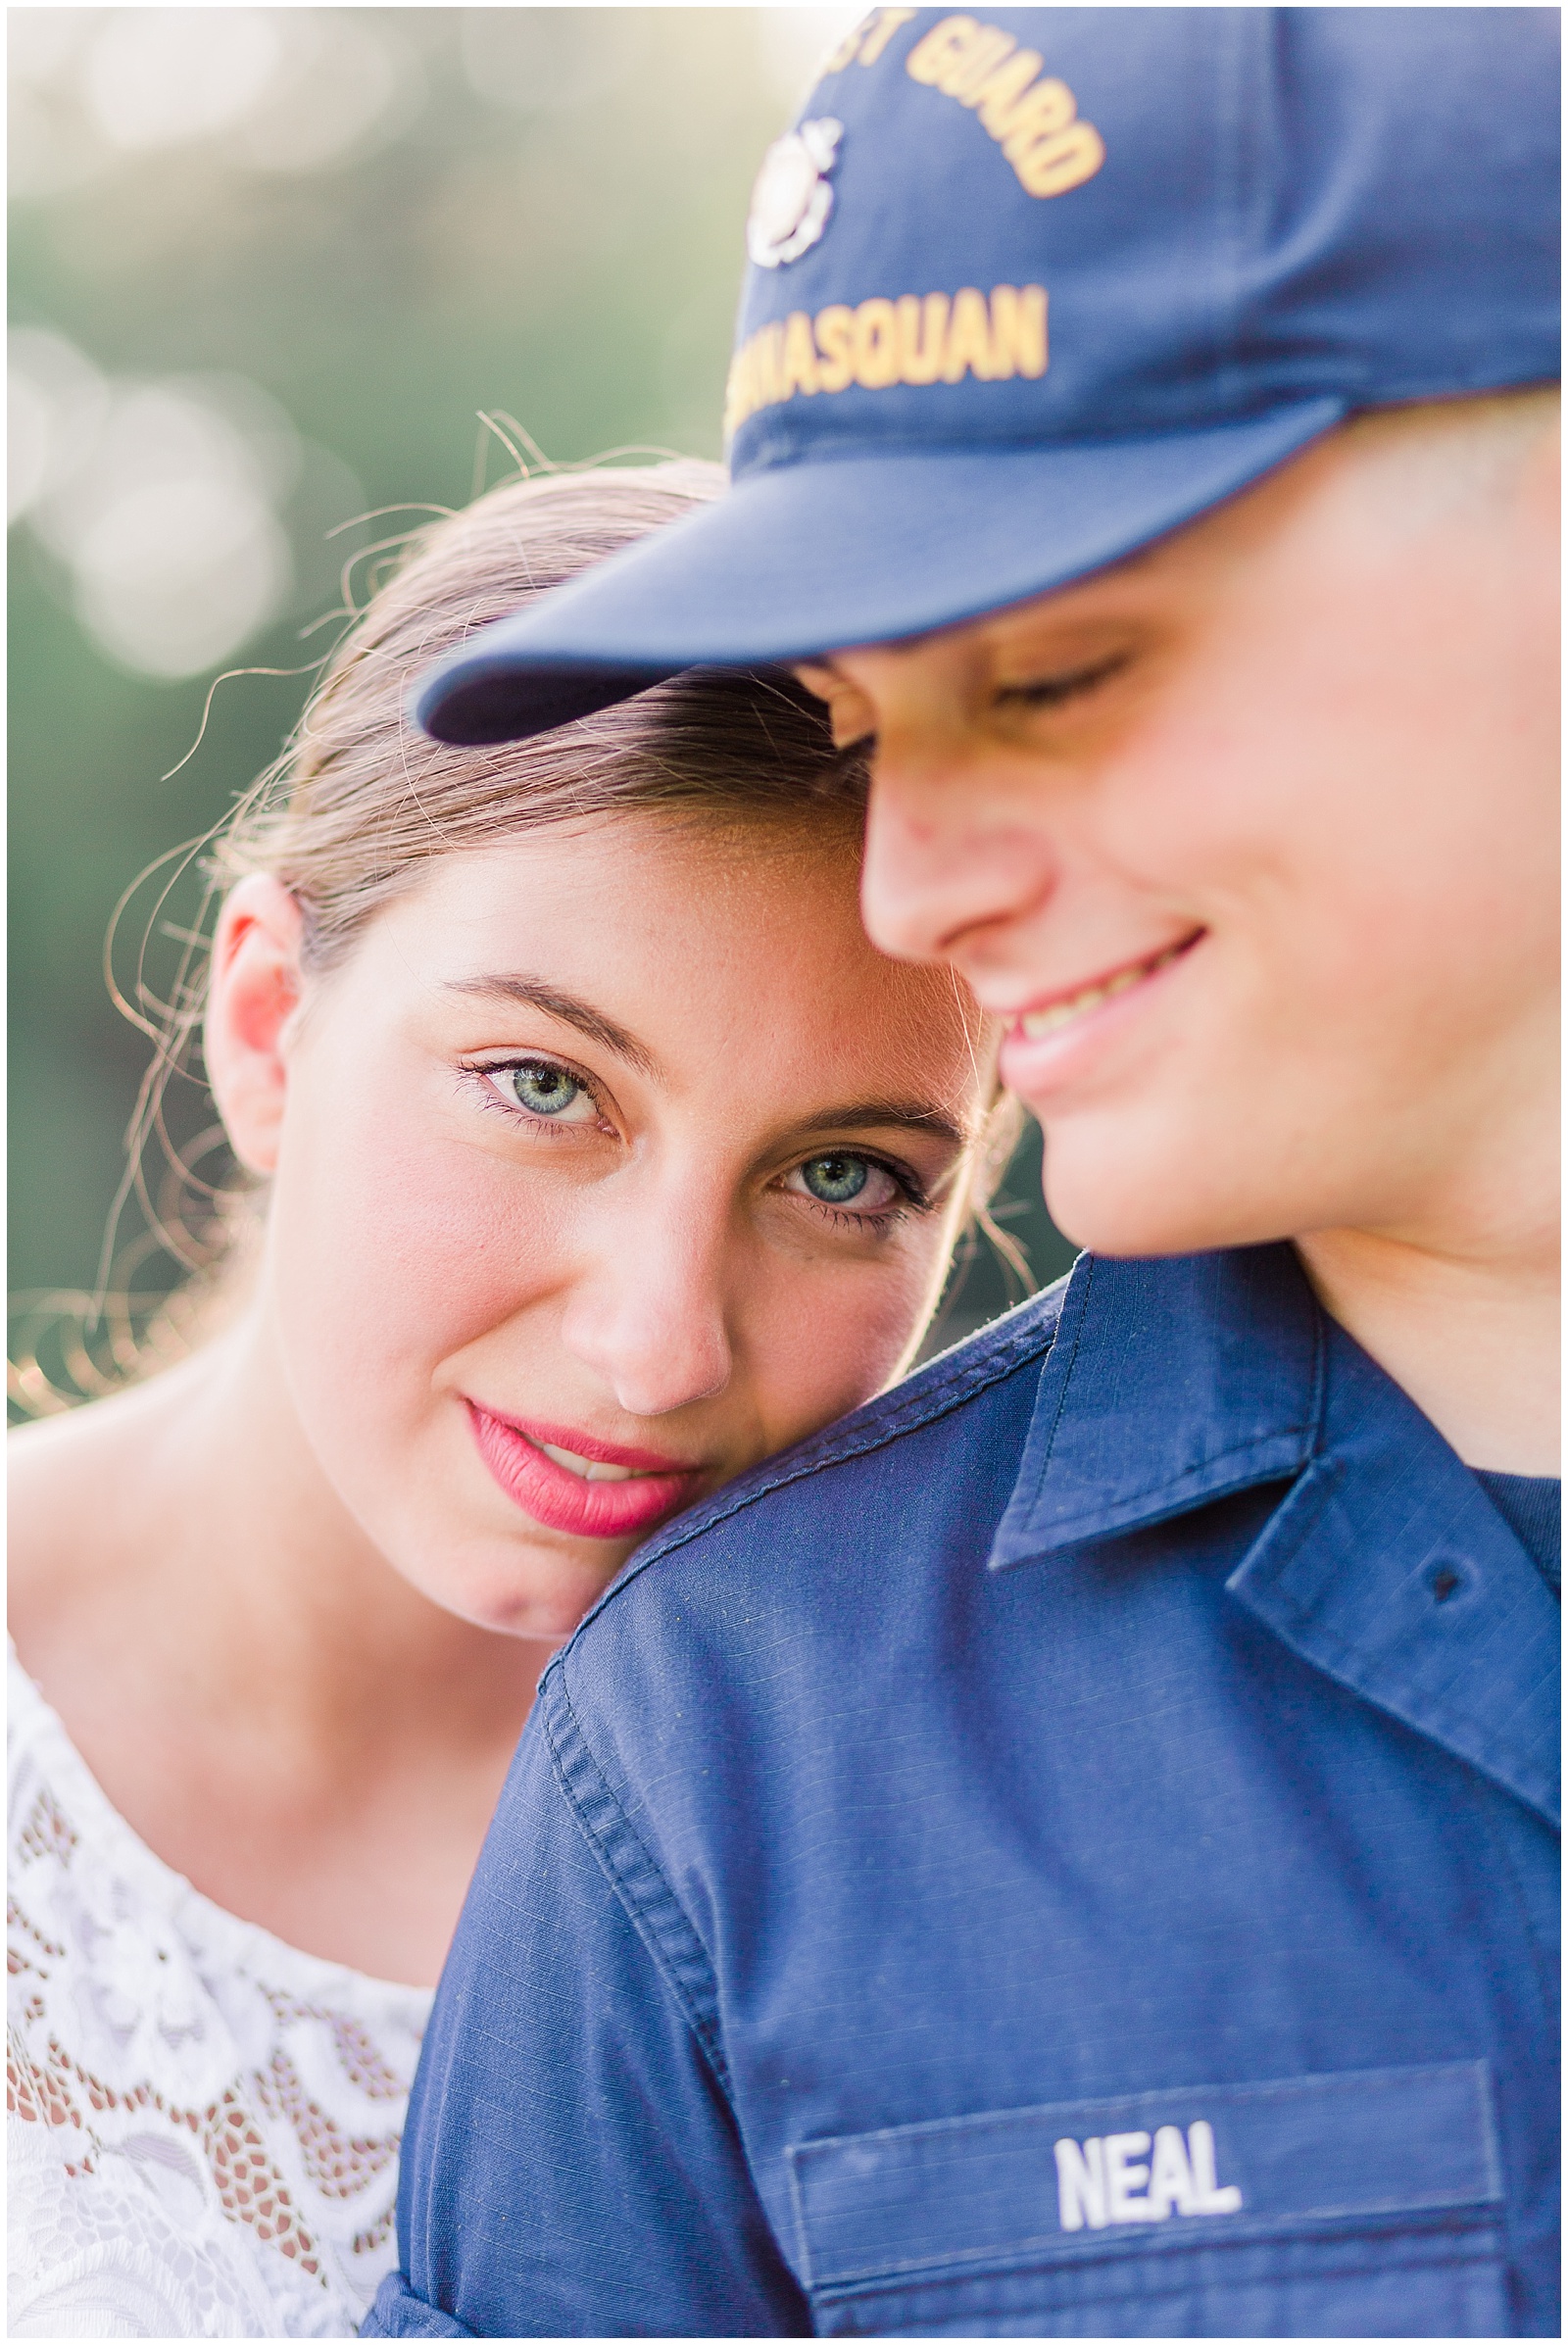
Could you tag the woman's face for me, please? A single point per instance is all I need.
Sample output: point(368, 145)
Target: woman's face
point(611, 1160)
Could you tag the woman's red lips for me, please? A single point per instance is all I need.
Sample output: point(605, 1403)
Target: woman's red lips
point(564, 1497)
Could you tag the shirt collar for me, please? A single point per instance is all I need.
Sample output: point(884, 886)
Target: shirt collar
point(1177, 1382)
point(1170, 1384)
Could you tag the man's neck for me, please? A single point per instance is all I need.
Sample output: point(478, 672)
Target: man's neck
point(1472, 1336)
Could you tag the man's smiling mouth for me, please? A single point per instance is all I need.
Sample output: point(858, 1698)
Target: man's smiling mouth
point(1033, 1025)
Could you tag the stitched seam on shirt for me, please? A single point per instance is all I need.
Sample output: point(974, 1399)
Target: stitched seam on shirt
point(1067, 1379)
point(1487, 1748)
point(1311, 1425)
point(1134, 2261)
point(929, 1408)
point(1173, 1482)
point(1317, 1405)
point(1327, 2084)
point(1432, 1705)
point(1548, 1965)
point(655, 1911)
point(428, 2315)
point(1048, 2252)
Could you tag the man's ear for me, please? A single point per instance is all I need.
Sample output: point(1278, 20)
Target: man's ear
point(253, 991)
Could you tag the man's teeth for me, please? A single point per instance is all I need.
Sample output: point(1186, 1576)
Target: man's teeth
point(1039, 1022)
point(592, 1469)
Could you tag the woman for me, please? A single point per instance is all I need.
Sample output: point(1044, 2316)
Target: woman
point(602, 1158)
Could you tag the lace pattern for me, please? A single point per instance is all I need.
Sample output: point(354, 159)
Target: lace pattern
point(203, 2123)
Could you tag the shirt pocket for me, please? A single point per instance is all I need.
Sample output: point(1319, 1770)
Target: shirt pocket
point(1362, 2204)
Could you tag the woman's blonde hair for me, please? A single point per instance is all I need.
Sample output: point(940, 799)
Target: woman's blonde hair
point(364, 799)
point(360, 802)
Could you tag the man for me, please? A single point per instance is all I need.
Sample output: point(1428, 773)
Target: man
point(1071, 1850)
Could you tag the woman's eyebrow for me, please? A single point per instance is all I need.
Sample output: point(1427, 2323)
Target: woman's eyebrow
point(901, 1115)
point(534, 993)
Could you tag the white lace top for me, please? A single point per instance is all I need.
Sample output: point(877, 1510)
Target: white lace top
point(203, 2123)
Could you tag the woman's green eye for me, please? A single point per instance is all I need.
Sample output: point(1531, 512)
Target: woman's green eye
point(836, 1180)
point(859, 1188)
point(543, 1089)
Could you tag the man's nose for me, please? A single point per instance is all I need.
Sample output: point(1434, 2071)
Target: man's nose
point(948, 865)
point(649, 1315)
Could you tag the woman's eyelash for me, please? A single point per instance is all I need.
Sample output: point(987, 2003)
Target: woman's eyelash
point(911, 1197)
point(844, 1217)
point(490, 1095)
point(909, 1188)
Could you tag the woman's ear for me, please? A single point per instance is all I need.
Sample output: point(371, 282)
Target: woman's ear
point(253, 991)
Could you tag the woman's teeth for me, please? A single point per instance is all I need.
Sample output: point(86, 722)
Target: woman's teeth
point(1038, 1022)
point(592, 1469)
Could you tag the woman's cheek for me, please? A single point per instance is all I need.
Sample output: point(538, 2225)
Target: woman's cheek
point(834, 1342)
point(394, 1253)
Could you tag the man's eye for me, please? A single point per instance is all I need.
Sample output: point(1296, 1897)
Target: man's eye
point(542, 1088)
point(1051, 691)
point(847, 1182)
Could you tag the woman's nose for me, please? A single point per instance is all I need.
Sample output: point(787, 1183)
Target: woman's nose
point(649, 1317)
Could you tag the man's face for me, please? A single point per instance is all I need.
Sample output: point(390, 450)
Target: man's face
point(1251, 840)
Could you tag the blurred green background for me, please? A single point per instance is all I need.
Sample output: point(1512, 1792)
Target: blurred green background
point(267, 266)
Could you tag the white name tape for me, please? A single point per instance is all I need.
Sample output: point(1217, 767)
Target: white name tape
point(1129, 2177)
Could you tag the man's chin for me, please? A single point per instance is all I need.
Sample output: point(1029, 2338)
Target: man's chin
point(1136, 1202)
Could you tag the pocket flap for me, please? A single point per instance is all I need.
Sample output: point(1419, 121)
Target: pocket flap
point(1155, 2167)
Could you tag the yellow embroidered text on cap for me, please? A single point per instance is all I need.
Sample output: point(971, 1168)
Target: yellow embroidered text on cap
point(1033, 120)
point(881, 343)
point(868, 41)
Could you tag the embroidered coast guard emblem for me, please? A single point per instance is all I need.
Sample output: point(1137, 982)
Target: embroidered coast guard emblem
point(792, 199)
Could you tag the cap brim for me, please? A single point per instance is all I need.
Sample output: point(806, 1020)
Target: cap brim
point(800, 560)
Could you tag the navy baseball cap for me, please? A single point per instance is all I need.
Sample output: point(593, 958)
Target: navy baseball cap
point(1032, 287)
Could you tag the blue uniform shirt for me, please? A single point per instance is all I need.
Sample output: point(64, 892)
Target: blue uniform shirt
point(1069, 1851)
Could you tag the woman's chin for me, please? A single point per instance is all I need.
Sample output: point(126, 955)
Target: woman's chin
point(515, 1588)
